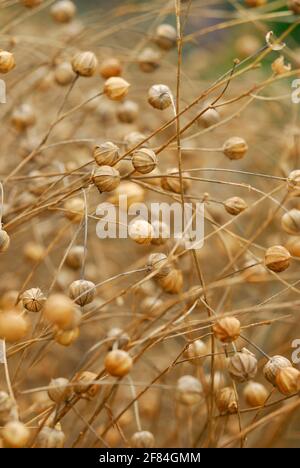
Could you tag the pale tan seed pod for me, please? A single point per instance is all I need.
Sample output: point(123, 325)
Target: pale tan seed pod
point(142, 439)
point(173, 282)
point(235, 148)
point(34, 252)
point(277, 258)
point(67, 337)
point(106, 154)
point(219, 381)
point(294, 6)
point(160, 97)
point(9, 300)
point(64, 74)
point(116, 88)
point(189, 390)
point(196, 353)
point(59, 390)
point(287, 380)
point(85, 64)
point(133, 192)
point(226, 400)
point(31, 3)
point(235, 205)
point(128, 112)
point(273, 366)
point(209, 118)
point(290, 222)
point(279, 67)
point(118, 363)
point(172, 183)
point(63, 11)
point(106, 178)
point(247, 45)
point(227, 329)
point(253, 272)
point(150, 306)
point(74, 209)
point(165, 36)
point(144, 160)
point(255, 394)
point(242, 366)
point(134, 139)
point(110, 67)
point(293, 183)
point(51, 438)
point(59, 310)
point(293, 246)
point(23, 117)
point(4, 241)
point(82, 292)
point(158, 262)
point(75, 257)
point(161, 233)
point(7, 61)
point(33, 300)
point(15, 434)
point(149, 60)
point(117, 338)
point(84, 386)
point(141, 232)
point(13, 325)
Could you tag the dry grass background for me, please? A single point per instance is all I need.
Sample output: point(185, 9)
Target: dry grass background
point(166, 330)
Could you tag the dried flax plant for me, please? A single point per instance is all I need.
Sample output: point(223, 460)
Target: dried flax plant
point(143, 342)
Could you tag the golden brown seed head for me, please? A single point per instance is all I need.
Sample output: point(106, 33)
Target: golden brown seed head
point(144, 160)
point(34, 252)
point(116, 88)
point(141, 232)
point(74, 209)
point(64, 74)
point(110, 67)
point(83, 384)
point(59, 390)
point(165, 36)
point(287, 380)
point(189, 390)
point(23, 117)
point(63, 11)
point(172, 181)
point(59, 310)
point(277, 258)
point(161, 233)
point(128, 112)
point(273, 366)
point(4, 241)
point(15, 434)
point(227, 329)
point(160, 97)
point(235, 205)
point(158, 262)
point(75, 257)
point(149, 60)
point(235, 148)
point(13, 326)
point(118, 363)
point(50, 437)
point(67, 337)
point(290, 222)
point(255, 394)
point(143, 439)
point(82, 292)
point(85, 64)
point(196, 352)
point(33, 300)
point(106, 154)
point(226, 400)
point(106, 178)
point(7, 61)
point(117, 338)
point(242, 366)
point(293, 183)
point(134, 139)
point(173, 282)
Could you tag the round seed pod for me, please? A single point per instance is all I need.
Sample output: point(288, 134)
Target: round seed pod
point(290, 222)
point(63, 11)
point(273, 366)
point(59, 390)
point(106, 178)
point(50, 437)
point(59, 310)
point(226, 400)
point(134, 139)
point(64, 74)
point(141, 232)
point(83, 384)
point(166, 36)
point(196, 352)
point(255, 394)
point(133, 192)
point(150, 306)
point(85, 64)
point(160, 97)
point(172, 184)
point(75, 257)
point(254, 273)
point(106, 154)
point(247, 45)
point(173, 282)
point(31, 3)
point(34, 252)
point(189, 390)
point(148, 60)
point(235, 205)
point(128, 112)
point(235, 148)
point(118, 363)
point(242, 366)
point(23, 117)
point(287, 380)
point(209, 118)
point(110, 67)
point(33, 300)
point(219, 381)
point(144, 160)
point(158, 262)
point(13, 326)
point(67, 337)
point(142, 439)
point(277, 258)
point(82, 292)
point(74, 209)
point(15, 434)
point(116, 88)
point(294, 6)
point(293, 246)
point(227, 329)
point(161, 233)
point(7, 61)
point(9, 299)
point(118, 338)
point(4, 241)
